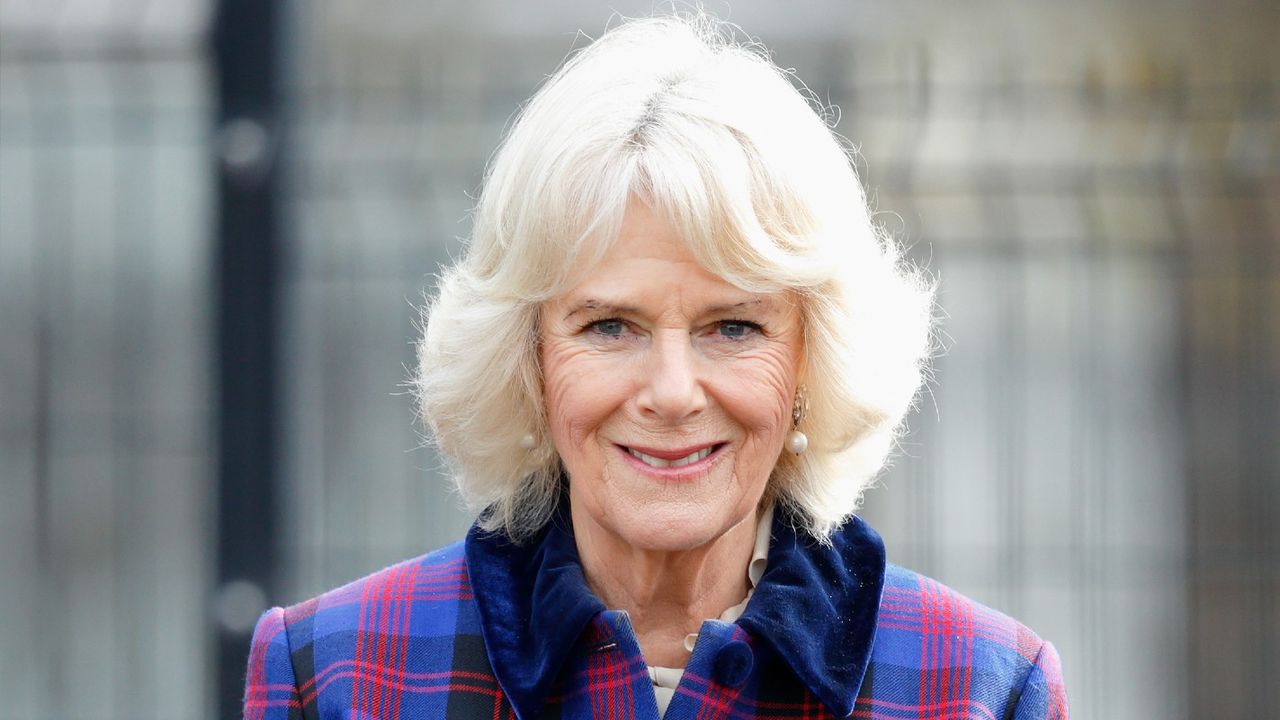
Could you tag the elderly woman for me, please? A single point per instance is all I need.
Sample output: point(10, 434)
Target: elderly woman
point(676, 352)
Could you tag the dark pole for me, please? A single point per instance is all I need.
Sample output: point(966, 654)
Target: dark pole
point(248, 140)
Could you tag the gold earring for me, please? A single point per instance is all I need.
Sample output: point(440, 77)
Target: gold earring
point(797, 441)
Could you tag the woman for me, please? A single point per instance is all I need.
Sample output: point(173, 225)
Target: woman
point(675, 354)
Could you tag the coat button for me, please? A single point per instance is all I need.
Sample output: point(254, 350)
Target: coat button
point(733, 664)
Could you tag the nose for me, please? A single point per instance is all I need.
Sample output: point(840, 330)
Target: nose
point(673, 390)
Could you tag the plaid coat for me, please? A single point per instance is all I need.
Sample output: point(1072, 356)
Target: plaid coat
point(487, 629)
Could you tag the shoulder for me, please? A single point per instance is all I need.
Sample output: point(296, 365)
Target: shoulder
point(438, 578)
point(413, 605)
point(947, 648)
point(915, 607)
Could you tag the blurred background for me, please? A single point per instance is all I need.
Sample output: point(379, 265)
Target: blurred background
point(217, 218)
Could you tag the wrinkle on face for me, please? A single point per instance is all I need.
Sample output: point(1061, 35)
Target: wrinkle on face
point(670, 380)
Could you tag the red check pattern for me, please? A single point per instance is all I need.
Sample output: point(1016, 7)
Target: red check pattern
point(407, 642)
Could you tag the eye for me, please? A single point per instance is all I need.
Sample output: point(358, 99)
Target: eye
point(737, 329)
point(611, 327)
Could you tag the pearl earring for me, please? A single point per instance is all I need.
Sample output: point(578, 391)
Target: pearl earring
point(797, 441)
point(528, 441)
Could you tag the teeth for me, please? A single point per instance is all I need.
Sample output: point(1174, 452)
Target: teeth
point(652, 461)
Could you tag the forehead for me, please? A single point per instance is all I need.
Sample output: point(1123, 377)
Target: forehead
point(650, 261)
point(644, 234)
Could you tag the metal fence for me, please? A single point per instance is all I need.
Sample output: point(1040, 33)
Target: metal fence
point(1097, 189)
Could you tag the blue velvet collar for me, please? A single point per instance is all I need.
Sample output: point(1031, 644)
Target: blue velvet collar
point(816, 606)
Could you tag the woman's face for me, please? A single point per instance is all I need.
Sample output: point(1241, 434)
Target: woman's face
point(668, 390)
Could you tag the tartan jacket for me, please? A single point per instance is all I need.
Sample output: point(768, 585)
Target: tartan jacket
point(488, 629)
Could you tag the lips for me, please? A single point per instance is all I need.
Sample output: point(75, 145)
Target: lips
point(672, 460)
point(658, 462)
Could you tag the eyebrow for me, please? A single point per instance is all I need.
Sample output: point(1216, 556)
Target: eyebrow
point(593, 305)
point(612, 308)
point(730, 308)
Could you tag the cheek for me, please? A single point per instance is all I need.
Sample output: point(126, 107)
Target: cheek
point(760, 393)
point(578, 396)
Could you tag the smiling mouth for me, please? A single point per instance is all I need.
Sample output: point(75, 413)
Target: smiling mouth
point(677, 462)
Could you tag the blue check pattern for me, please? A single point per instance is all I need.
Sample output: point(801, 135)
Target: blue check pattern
point(421, 640)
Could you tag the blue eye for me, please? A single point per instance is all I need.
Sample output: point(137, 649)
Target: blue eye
point(737, 329)
point(612, 327)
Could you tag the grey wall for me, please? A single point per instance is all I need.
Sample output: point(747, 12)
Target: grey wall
point(105, 478)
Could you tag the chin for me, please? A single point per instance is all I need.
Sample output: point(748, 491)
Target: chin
point(672, 529)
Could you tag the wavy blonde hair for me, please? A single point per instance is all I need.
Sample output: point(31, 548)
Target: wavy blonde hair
point(738, 156)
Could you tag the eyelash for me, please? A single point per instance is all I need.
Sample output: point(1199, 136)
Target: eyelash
point(592, 326)
point(756, 327)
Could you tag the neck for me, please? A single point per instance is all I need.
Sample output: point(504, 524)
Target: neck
point(666, 593)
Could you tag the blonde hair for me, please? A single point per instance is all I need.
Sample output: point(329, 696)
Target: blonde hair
point(710, 133)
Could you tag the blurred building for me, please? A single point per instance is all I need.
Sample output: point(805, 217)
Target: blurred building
point(1096, 186)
